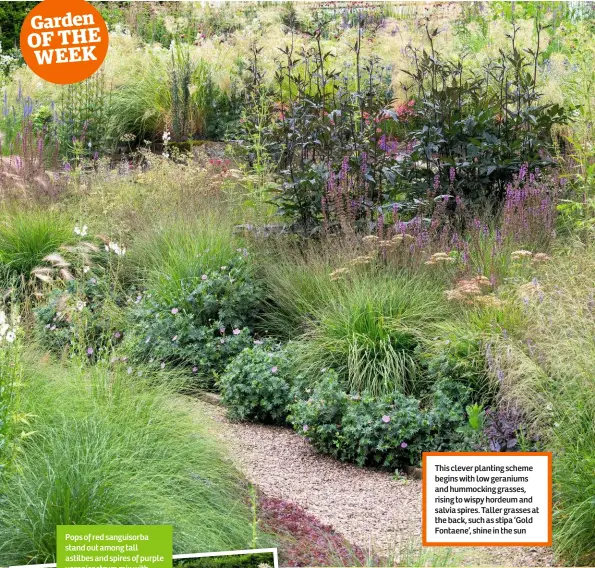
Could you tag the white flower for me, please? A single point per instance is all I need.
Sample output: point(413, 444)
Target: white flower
point(10, 336)
point(86, 269)
point(3, 329)
point(115, 247)
point(80, 306)
point(81, 232)
point(166, 137)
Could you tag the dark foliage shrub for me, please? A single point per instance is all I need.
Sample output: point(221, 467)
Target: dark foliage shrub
point(313, 118)
point(347, 153)
point(475, 130)
point(204, 328)
point(506, 431)
point(255, 385)
point(388, 431)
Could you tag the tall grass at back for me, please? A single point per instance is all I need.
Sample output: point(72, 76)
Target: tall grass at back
point(549, 373)
point(141, 106)
point(107, 448)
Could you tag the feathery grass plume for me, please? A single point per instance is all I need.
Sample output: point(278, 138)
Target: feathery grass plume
point(27, 237)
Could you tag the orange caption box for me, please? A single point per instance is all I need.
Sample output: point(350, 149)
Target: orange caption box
point(484, 454)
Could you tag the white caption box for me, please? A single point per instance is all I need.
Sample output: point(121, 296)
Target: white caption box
point(486, 498)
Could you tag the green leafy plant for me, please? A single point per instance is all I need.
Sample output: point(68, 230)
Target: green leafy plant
point(387, 431)
point(80, 121)
point(204, 326)
point(476, 415)
point(255, 385)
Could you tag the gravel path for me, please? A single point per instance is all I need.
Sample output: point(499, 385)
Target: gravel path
point(370, 508)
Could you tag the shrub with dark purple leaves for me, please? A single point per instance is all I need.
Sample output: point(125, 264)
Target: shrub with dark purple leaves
point(303, 539)
point(505, 429)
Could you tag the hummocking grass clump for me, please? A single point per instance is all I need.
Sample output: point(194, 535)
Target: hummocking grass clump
point(109, 448)
point(297, 281)
point(369, 328)
point(27, 237)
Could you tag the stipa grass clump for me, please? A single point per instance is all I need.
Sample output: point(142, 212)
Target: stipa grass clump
point(106, 448)
point(179, 250)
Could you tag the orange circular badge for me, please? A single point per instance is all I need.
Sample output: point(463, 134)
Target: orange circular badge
point(64, 42)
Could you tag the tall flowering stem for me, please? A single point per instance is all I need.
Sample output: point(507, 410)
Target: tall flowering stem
point(529, 215)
